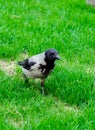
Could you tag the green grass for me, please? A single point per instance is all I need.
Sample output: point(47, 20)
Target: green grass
point(32, 27)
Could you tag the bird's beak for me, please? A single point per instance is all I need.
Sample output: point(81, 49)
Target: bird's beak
point(57, 57)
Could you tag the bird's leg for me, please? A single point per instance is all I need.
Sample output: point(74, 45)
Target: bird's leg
point(25, 78)
point(42, 85)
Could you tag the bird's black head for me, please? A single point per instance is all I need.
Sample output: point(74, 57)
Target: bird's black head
point(52, 55)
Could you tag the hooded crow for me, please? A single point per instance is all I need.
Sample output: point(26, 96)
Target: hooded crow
point(40, 65)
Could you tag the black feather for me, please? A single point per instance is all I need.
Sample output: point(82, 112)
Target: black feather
point(45, 69)
point(26, 64)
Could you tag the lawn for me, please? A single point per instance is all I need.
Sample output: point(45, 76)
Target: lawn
point(30, 27)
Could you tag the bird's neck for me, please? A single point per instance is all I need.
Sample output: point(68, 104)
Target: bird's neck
point(49, 63)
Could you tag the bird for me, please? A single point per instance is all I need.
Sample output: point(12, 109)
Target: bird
point(39, 65)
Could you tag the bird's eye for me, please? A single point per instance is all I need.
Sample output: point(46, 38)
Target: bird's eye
point(52, 53)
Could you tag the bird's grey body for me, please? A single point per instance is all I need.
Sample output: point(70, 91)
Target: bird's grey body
point(34, 71)
point(39, 66)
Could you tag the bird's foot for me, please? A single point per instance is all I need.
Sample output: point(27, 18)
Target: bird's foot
point(42, 91)
point(42, 87)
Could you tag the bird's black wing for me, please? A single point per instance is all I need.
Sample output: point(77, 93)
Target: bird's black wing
point(26, 64)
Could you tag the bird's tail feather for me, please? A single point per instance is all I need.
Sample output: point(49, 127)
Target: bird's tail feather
point(21, 63)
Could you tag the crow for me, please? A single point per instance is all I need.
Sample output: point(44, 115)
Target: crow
point(40, 65)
